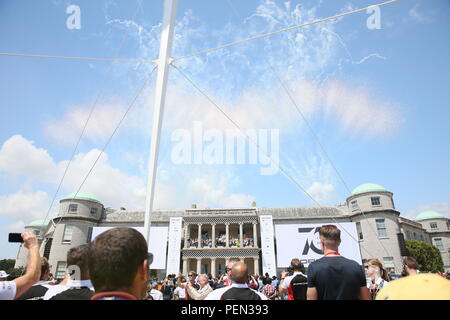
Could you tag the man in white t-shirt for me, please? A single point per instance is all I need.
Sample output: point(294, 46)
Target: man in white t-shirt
point(10, 290)
point(156, 294)
point(180, 292)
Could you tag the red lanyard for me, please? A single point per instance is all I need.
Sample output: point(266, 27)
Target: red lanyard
point(332, 252)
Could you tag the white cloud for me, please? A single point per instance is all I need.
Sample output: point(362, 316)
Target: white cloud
point(417, 16)
point(114, 188)
point(19, 156)
point(16, 227)
point(320, 191)
point(102, 123)
point(24, 206)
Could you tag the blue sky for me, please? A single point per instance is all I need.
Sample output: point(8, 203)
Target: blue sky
point(377, 100)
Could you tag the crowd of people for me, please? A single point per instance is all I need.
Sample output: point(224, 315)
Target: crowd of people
point(220, 242)
point(115, 266)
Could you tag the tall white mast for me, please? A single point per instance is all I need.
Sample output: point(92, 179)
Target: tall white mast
point(165, 49)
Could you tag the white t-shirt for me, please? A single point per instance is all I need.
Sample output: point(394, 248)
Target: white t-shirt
point(156, 294)
point(287, 281)
point(181, 292)
point(54, 290)
point(7, 290)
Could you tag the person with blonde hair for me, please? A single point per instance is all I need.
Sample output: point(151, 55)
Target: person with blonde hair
point(377, 275)
point(204, 290)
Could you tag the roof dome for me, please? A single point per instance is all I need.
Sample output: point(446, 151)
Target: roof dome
point(81, 196)
point(367, 187)
point(38, 223)
point(429, 215)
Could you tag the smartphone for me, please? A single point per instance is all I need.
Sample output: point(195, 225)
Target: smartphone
point(15, 237)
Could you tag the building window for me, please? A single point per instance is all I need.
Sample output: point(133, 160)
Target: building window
point(93, 211)
point(408, 234)
point(381, 228)
point(73, 208)
point(354, 204)
point(61, 270)
point(438, 244)
point(433, 225)
point(375, 201)
point(47, 248)
point(421, 237)
point(89, 235)
point(393, 206)
point(414, 236)
point(68, 230)
point(359, 230)
point(37, 232)
point(388, 262)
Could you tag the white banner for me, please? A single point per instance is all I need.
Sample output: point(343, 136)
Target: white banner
point(267, 245)
point(174, 253)
point(158, 243)
point(302, 241)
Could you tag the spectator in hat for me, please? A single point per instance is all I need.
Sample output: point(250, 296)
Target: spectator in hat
point(13, 289)
point(118, 263)
point(3, 275)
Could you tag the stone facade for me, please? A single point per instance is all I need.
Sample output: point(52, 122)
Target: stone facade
point(234, 233)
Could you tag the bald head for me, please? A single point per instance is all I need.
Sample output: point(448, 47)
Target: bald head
point(239, 272)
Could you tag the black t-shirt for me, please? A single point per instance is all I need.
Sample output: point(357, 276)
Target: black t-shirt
point(36, 292)
point(83, 293)
point(240, 294)
point(336, 278)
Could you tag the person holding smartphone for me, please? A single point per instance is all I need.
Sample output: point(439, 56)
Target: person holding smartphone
point(10, 290)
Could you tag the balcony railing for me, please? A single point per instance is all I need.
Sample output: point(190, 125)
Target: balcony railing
point(220, 243)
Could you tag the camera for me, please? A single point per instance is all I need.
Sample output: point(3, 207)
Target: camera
point(15, 237)
point(290, 271)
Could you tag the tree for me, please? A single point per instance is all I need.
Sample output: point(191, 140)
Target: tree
point(427, 256)
point(7, 264)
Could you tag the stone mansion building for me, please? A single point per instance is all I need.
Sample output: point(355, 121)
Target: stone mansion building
point(210, 237)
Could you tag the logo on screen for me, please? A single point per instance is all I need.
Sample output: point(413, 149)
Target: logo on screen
point(312, 240)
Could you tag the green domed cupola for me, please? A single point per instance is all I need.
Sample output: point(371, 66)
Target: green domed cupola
point(367, 187)
point(429, 215)
point(82, 196)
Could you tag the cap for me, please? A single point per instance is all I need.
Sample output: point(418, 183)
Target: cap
point(423, 286)
point(3, 274)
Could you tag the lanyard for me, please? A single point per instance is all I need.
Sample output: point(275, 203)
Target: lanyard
point(332, 252)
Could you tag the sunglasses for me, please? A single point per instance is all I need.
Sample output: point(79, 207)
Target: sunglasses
point(150, 258)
